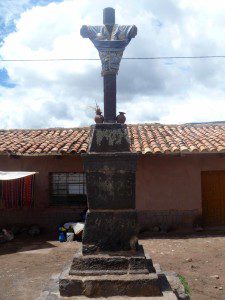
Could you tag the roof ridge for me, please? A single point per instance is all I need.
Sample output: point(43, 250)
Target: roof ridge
point(180, 124)
point(148, 138)
point(135, 124)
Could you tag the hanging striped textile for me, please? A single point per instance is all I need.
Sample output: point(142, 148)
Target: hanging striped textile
point(18, 192)
point(1, 200)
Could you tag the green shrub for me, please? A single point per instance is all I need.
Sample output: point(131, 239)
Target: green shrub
point(185, 284)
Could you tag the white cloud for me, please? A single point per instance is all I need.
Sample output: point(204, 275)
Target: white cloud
point(60, 93)
point(11, 8)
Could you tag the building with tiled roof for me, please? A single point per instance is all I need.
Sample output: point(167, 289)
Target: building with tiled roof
point(144, 138)
point(180, 180)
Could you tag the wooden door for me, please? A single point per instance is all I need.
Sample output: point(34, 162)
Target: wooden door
point(213, 198)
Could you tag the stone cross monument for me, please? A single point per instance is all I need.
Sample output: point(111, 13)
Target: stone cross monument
point(111, 261)
point(110, 40)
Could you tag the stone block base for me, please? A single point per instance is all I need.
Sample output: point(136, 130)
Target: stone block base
point(146, 285)
point(113, 274)
point(106, 264)
point(167, 281)
point(110, 230)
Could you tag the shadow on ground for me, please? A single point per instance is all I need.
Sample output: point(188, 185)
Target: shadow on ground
point(24, 243)
point(182, 235)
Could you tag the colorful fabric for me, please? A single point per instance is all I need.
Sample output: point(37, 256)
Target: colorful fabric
point(18, 193)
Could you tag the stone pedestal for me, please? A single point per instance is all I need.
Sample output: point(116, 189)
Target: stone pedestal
point(111, 261)
point(111, 222)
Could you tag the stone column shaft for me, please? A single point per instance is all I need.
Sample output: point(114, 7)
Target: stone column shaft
point(110, 98)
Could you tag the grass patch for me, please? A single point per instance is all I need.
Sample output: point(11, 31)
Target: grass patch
point(185, 284)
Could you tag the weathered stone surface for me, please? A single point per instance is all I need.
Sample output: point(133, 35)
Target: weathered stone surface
point(92, 263)
point(110, 180)
point(174, 283)
point(103, 162)
point(140, 264)
point(109, 138)
point(71, 287)
point(110, 231)
point(110, 285)
point(109, 82)
point(52, 288)
point(104, 264)
point(107, 190)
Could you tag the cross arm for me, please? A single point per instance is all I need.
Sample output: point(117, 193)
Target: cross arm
point(91, 32)
point(133, 32)
point(84, 32)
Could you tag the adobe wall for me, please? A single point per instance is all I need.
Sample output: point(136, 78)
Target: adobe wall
point(168, 188)
point(43, 214)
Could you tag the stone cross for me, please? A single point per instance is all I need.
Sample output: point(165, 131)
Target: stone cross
point(110, 40)
point(111, 261)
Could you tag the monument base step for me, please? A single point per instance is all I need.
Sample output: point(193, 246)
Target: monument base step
point(145, 285)
point(169, 284)
point(112, 264)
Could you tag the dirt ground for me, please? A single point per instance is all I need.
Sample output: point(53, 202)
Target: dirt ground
point(26, 264)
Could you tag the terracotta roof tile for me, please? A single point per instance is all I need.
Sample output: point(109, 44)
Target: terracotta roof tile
point(185, 138)
point(44, 142)
point(145, 139)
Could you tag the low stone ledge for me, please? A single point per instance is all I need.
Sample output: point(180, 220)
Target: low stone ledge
point(109, 285)
point(103, 264)
point(51, 290)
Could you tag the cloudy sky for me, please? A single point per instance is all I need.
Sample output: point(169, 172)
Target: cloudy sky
point(50, 94)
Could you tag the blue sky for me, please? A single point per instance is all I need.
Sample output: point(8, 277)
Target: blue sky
point(11, 11)
point(64, 93)
point(5, 80)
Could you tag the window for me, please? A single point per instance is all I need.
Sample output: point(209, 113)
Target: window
point(68, 188)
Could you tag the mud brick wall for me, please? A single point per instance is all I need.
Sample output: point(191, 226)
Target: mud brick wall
point(167, 220)
point(168, 188)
